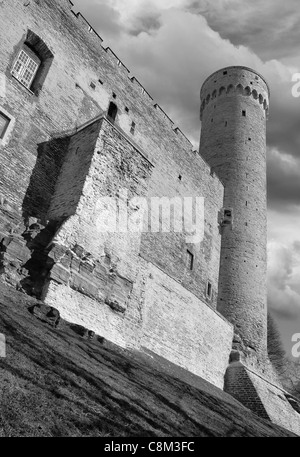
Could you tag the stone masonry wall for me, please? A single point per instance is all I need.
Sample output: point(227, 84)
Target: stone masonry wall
point(262, 396)
point(233, 141)
point(79, 86)
point(98, 277)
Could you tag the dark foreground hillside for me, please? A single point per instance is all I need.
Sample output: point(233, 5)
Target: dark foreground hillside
point(55, 382)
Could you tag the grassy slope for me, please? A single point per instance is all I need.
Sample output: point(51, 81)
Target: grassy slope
point(56, 383)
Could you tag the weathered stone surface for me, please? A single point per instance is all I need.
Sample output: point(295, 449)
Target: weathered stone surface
point(233, 141)
point(261, 395)
point(46, 313)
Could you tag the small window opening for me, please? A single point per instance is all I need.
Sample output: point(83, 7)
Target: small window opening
point(211, 120)
point(243, 112)
point(246, 203)
point(208, 289)
point(293, 402)
point(225, 72)
point(32, 63)
point(100, 81)
point(180, 177)
point(114, 95)
point(132, 128)
point(26, 67)
point(126, 109)
point(249, 139)
point(190, 260)
point(112, 111)
point(93, 85)
point(225, 123)
point(4, 122)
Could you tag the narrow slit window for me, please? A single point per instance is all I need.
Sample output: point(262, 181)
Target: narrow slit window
point(112, 111)
point(4, 122)
point(132, 128)
point(209, 290)
point(244, 113)
point(190, 259)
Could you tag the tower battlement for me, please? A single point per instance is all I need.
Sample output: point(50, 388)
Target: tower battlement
point(235, 80)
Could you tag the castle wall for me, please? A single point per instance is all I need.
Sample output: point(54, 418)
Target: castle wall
point(99, 277)
point(35, 151)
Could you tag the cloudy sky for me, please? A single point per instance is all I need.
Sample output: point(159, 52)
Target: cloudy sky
point(171, 46)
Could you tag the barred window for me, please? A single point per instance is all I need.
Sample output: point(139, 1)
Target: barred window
point(26, 67)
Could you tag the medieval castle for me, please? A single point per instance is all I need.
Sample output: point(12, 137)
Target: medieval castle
point(77, 131)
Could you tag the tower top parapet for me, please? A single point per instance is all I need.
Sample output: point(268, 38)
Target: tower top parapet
point(235, 79)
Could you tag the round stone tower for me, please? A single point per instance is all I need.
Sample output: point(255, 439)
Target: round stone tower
point(234, 108)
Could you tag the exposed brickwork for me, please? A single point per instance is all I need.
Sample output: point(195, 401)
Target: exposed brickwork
point(261, 395)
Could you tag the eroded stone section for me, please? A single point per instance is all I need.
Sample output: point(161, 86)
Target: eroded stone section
point(96, 279)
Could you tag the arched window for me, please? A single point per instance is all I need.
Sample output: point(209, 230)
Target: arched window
point(32, 63)
point(112, 111)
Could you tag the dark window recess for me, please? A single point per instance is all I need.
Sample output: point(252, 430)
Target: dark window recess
point(225, 123)
point(180, 177)
point(100, 81)
point(243, 113)
point(32, 63)
point(132, 128)
point(293, 402)
point(126, 109)
point(190, 259)
point(112, 111)
point(114, 95)
point(211, 120)
point(4, 122)
point(208, 289)
point(249, 139)
point(93, 85)
point(225, 72)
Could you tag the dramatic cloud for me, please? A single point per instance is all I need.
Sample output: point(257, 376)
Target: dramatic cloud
point(283, 181)
point(270, 27)
point(284, 279)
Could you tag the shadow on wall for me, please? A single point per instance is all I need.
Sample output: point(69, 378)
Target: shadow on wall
point(50, 157)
